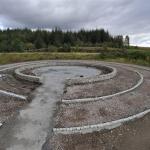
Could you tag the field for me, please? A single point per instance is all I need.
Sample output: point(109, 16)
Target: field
point(132, 55)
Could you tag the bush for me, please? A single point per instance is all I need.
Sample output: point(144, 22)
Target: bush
point(65, 48)
point(52, 48)
point(136, 55)
point(29, 46)
point(112, 54)
point(17, 45)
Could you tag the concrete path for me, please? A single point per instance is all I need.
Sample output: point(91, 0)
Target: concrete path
point(29, 130)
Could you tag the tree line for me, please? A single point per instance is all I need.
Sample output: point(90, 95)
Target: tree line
point(27, 39)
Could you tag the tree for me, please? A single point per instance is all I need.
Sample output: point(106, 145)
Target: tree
point(39, 43)
point(56, 37)
point(118, 41)
point(127, 41)
point(3, 46)
point(29, 46)
point(17, 45)
point(24, 39)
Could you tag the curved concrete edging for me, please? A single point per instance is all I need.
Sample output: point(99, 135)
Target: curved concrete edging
point(30, 78)
point(33, 78)
point(94, 79)
point(6, 93)
point(107, 96)
point(20, 75)
point(99, 127)
point(11, 94)
point(103, 126)
point(9, 68)
point(97, 78)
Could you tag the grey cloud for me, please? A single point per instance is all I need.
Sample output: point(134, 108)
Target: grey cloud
point(118, 16)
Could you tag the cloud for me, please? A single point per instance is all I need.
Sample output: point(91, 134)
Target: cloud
point(141, 39)
point(118, 16)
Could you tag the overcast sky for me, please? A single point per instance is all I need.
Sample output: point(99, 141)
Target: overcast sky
point(130, 17)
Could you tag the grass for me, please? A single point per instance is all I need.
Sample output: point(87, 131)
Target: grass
point(133, 57)
point(21, 57)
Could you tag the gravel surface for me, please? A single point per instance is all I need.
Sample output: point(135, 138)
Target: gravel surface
point(124, 80)
point(106, 110)
point(34, 122)
point(131, 136)
point(9, 107)
point(11, 84)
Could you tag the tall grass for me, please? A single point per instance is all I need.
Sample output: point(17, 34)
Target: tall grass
point(20, 57)
point(134, 57)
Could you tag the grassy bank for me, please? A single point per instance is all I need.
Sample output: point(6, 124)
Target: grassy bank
point(134, 57)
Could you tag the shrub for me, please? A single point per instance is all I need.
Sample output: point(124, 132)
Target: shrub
point(65, 48)
point(52, 48)
point(136, 55)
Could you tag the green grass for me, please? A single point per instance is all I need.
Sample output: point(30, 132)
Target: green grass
point(133, 57)
point(21, 57)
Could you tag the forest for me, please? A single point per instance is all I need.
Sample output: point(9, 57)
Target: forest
point(19, 40)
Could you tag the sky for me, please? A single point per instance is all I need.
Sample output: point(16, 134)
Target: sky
point(125, 17)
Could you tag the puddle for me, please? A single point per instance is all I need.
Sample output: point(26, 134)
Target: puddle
point(30, 130)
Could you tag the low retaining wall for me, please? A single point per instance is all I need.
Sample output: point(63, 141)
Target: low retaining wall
point(2, 92)
point(22, 76)
point(109, 72)
point(19, 74)
point(11, 94)
point(107, 125)
point(107, 96)
point(99, 127)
